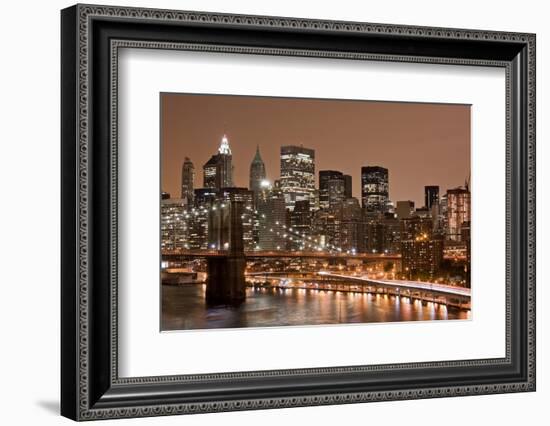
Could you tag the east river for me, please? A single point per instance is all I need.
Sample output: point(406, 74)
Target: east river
point(184, 308)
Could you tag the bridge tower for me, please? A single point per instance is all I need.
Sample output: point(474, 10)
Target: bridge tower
point(225, 284)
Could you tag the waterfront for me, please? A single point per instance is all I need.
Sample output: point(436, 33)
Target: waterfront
point(184, 308)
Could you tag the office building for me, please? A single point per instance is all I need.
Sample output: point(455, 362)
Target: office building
point(421, 249)
point(374, 188)
point(348, 190)
point(325, 177)
point(336, 192)
point(392, 233)
point(272, 217)
point(187, 181)
point(352, 230)
point(327, 228)
point(431, 196)
point(458, 211)
point(218, 170)
point(297, 174)
point(173, 225)
point(204, 199)
point(257, 175)
point(246, 198)
point(300, 223)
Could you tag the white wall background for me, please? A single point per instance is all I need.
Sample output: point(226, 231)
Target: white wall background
point(29, 213)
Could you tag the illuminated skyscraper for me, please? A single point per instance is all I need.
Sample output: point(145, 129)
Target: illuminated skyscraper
point(442, 214)
point(174, 230)
point(218, 171)
point(297, 174)
point(187, 181)
point(209, 172)
point(374, 188)
point(431, 196)
point(333, 179)
point(197, 218)
point(336, 192)
point(272, 215)
point(458, 211)
point(246, 198)
point(421, 250)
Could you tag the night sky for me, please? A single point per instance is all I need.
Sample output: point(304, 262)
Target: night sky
point(420, 144)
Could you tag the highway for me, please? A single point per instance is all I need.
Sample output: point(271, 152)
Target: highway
point(411, 285)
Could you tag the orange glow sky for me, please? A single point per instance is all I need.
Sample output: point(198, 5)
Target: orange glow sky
point(420, 144)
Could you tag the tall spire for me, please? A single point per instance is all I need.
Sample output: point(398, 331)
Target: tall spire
point(224, 146)
point(257, 158)
point(257, 174)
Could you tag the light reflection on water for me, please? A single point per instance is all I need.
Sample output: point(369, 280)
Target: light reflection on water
point(184, 308)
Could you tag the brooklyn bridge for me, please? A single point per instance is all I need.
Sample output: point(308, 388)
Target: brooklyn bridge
point(226, 261)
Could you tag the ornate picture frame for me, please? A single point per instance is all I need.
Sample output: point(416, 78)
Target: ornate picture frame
point(91, 37)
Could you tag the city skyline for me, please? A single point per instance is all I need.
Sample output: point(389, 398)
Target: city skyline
point(432, 124)
point(362, 199)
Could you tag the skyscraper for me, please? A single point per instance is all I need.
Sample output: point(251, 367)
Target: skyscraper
point(197, 218)
point(173, 226)
point(225, 164)
point(272, 215)
point(325, 176)
point(347, 187)
point(431, 196)
point(326, 227)
point(297, 174)
point(392, 236)
point(205, 197)
point(352, 229)
point(421, 250)
point(300, 222)
point(257, 174)
point(187, 181)
point(375, 236)
point(442, 214)
point(458, 212)
point(218, 171)
point(374, 188)
point(209, 172)
point(246, 198)
point(336, 192)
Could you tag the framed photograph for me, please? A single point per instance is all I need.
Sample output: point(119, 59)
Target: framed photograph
point(263, 212)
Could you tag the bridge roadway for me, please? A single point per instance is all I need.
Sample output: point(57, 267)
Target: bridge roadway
point(434, 288)
point(419, 286)
point(260, 254)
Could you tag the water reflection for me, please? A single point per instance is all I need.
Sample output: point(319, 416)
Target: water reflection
point(184, 308)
